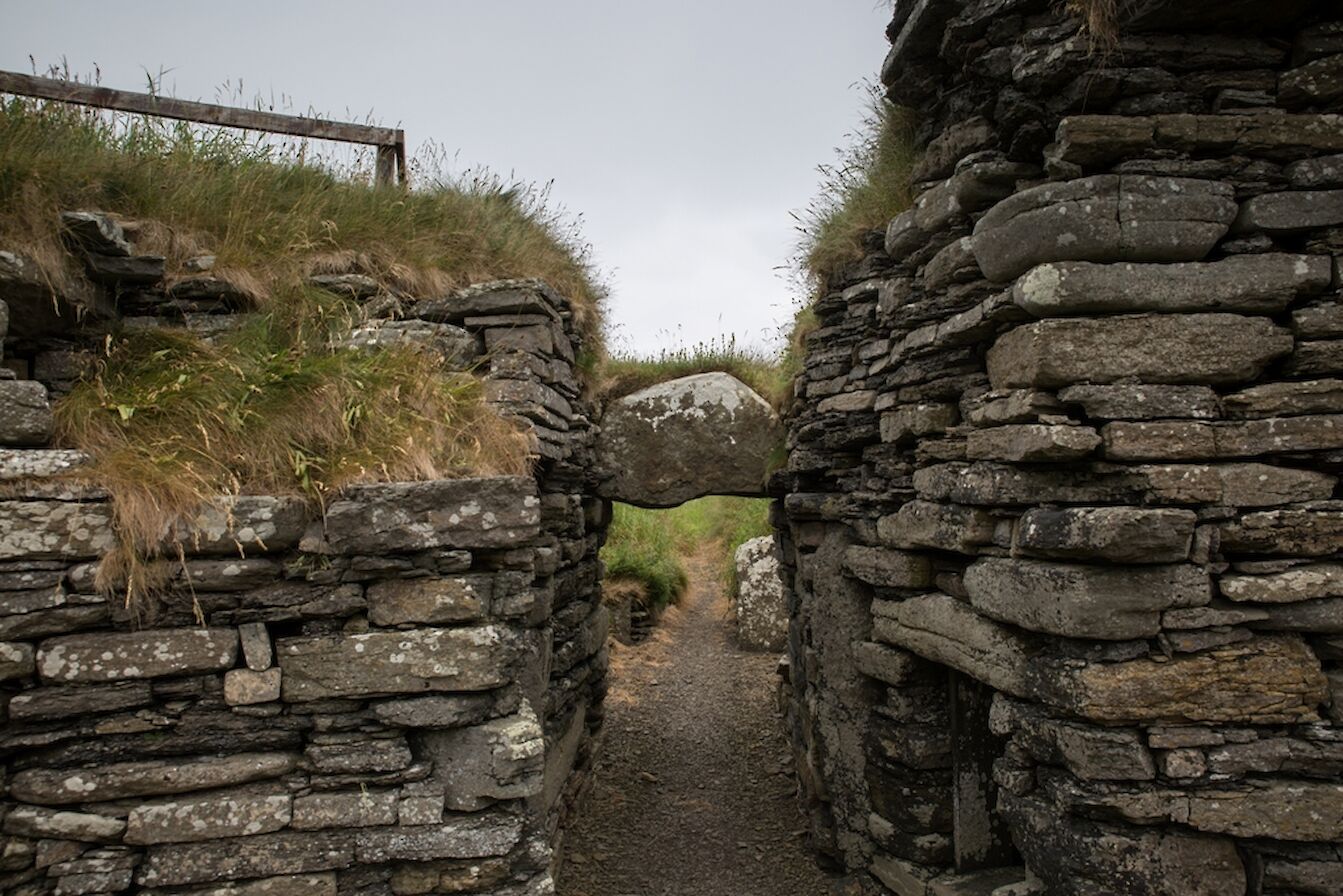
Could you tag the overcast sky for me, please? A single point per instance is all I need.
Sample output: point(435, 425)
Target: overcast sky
point(684, 133)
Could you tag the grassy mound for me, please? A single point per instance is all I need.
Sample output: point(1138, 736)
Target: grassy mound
point(623, 374)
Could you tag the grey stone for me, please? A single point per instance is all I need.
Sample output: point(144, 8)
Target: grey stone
point(359, 287)
point(954, 263)
point(207, 818)
point(499, 760)
point(113, 656)
point(888, 568)
point(1031, 443)
point(1192, 440)
point(384, 663)
point(37, 822)
point(1311, 174)
point(16, 660)
point(761, 601)
point(263, 523)
point(1290, 532)
point(1079, 601)
point(698, 435)
point(463, 837)
point(1277, 755)
point(1231, 484)
point(1284, 399)
point(117, 272)
point(35, 310)
point(1309, 582)
point(1291, 212)
point(944, 630)
point(904, 236)
point(96, 232)
point(364, 809)
point(25, 413)
point(119, 780)
point(433, 600)
point(247, 687)
point(896, 668)
point(1266, 680)
point(913, 420)
point(54, 529)
point(972, 188)
point(1015, 406)
point(1317, 83)
point(1100, 754)
point(1321, 321)
point(256, 646)
point(412, 516)
point(285, 885)
point(498, 297)
point(1197, 349)
point(1075, 856)
point(1103, 219)
point(1259, 284)
point(228, 575)
point(1209, 617)
point(1315, 617)
point(1301, 876)
point(436, 711)
point(361, 756)
point(1113, 534)
point(44, 704)
point(924, 524)
point(452, 346)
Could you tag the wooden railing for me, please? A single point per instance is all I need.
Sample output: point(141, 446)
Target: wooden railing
point(390, 142)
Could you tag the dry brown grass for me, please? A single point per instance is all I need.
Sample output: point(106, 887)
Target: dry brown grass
point(1100, 20)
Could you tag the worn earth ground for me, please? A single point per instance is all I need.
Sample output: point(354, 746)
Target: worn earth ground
point(693, 792)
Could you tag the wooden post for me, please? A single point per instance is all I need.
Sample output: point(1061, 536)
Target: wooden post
point(390, 142)
point(980, 838)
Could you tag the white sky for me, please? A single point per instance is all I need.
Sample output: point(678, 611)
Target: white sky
point(683, 132)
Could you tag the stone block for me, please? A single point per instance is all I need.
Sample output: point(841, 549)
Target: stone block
point(453, 347)
point(1106, 218)
point(247, 687)
point(1015, 406)
point(412, 516)
point(693, 436)
point(432, 600)
point(256, 646)
point(945, 630)
point(95, 232)
point(283, 885)
point(1286, 399)
point(1264, 681)
point(501, 759)
point(363, 809)
point(1123, 401)
point(946, 527)
point(761, 601)
point(1310, 174)
point(1290, 532)
point(114, 656)
point(1075, 856)
point(35, 530)
point(910, 421)
point(954, 263)
point(288, 853)
point(120, 780)
point(1031, 443)
point(475, 836)
point(1197, 349)
point(1291, 212)
point(257, 523)
point(360, 756)
point(207, 818)
point(438, 711)
point(1113, 534)
point(897, 668)
point(1253, 284)
point(83, 827)
point(1077, 601)
point(45, 704)
point(1309, 582)
point(888, 568)
point(387, 663)
point(25, 413)
point(1100, 754)
point(1198, 440)
point(16, 661)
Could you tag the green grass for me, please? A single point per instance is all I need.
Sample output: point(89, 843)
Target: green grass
point(860, 193)
point(270, 219)
point(623, 374)
point(648, 547)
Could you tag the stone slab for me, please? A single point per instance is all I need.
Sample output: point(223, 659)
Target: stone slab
point(412, 516)
point(115, 656)
point(119, 780)
point(1113, 534)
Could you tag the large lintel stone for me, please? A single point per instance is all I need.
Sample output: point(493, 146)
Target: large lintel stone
point(412, 516)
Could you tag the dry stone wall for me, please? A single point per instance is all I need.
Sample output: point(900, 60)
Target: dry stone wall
point(1062, 522)
point(390, 698)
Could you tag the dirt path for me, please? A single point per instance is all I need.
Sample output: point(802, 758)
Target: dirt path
point(693, 793)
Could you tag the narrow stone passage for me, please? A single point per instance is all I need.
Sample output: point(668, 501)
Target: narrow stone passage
point(693, 793)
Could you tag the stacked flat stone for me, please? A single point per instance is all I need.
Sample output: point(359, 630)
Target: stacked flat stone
point(1074, 434)
point(396, 698)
